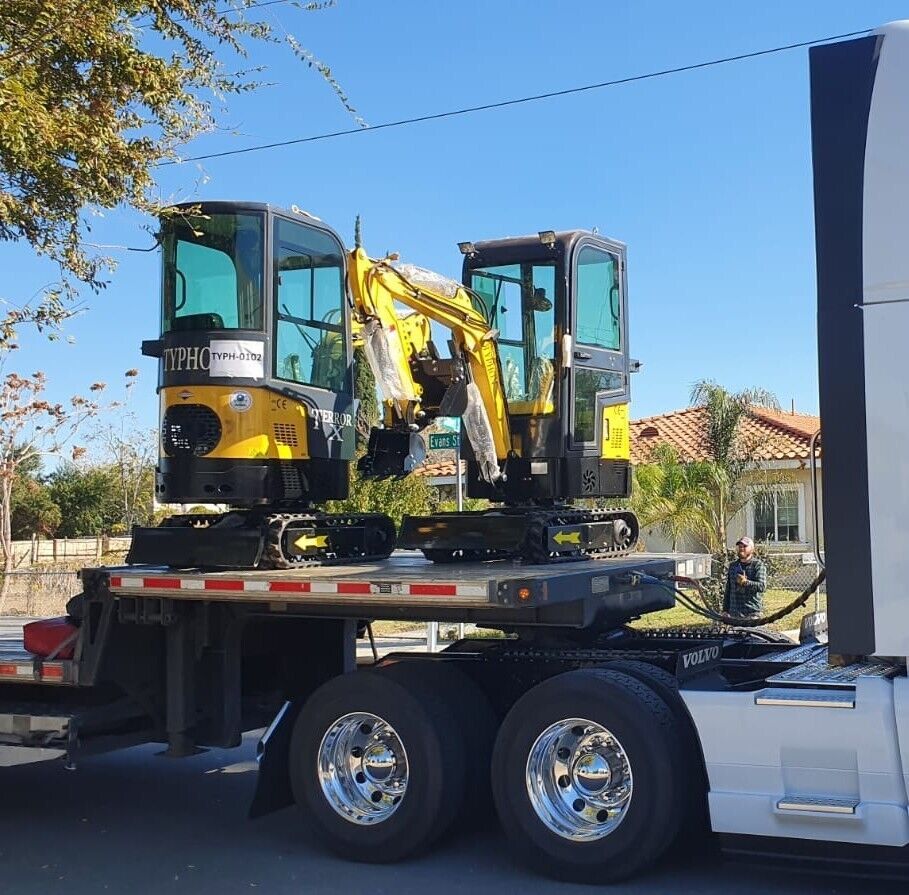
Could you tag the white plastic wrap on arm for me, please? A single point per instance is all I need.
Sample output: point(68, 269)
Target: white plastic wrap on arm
point(479, 433)
point(383, 356)
point(427, 279)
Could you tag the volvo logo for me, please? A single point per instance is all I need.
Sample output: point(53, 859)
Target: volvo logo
point(699, 658)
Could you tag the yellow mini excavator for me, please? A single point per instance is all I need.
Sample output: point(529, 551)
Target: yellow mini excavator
point(259, 306)
point(539, 377)
point(256, 404)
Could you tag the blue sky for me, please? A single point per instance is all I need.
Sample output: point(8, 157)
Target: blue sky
point(706, 175)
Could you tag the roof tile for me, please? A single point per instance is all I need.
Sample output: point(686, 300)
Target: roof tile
point(779, 435)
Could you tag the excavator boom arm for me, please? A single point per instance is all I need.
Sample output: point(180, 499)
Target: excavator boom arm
point(389, 342)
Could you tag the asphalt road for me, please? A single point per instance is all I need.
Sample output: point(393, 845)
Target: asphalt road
point(133, 822)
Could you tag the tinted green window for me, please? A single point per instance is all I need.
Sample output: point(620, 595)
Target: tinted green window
point(587, 383)
point(212, 276)
point(519, 301)
point(598, 312)
point(310, 345)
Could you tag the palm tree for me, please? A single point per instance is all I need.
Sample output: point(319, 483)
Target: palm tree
point(675, 497)
point(731, 454)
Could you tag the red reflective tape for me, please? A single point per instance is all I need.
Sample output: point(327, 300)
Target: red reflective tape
point(161, 583)
point(433, 590)
point(220, 584)
point(116, 581)
point(6, 670)
point(52, 671)
point(353, 587)
point(288, 587)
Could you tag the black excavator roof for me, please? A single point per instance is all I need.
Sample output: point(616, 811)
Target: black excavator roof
point(519, 248)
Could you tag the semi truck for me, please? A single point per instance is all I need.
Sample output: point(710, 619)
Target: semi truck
point(598, 743)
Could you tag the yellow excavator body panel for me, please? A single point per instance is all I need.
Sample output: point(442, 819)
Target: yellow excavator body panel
point(616, 443)
point(256, 423)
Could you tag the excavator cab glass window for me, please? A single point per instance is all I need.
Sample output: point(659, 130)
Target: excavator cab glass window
point(599, 304)
point(310, 343)
point(212, 276)
point(519, 301)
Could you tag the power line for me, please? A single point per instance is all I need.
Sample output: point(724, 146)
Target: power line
point(226, 11)
point(467, 110)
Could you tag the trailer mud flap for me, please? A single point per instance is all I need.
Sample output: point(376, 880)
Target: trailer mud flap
point(699, 659)
point(273, 789)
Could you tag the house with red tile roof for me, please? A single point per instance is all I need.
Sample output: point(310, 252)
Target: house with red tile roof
point(782, 443)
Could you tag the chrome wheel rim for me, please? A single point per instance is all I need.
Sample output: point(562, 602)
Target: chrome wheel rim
point(362, 767)
point(579, 779)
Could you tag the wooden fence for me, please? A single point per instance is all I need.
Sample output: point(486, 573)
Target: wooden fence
point(38, 551)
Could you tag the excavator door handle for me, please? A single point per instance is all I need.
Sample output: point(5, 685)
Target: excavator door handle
point(582, 355)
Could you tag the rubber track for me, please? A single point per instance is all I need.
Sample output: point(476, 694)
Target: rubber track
point(274, 525)
point(273, 556)
point(534, 550)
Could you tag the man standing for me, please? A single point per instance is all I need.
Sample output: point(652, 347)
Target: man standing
point(746, 582)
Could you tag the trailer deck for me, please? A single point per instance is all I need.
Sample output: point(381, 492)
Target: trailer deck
point(411, 587)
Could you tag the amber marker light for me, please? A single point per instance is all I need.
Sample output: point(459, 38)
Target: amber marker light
point(523, 594)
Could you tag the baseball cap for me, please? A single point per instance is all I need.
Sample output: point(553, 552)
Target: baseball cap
point(745, 542)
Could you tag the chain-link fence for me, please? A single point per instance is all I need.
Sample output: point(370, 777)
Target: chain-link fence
point(788, 575)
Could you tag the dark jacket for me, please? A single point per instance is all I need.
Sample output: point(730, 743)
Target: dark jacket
point(745, 599)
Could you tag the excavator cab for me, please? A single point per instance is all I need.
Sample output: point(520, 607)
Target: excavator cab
point(255, 379)
point(255, 386)
point(558, 303)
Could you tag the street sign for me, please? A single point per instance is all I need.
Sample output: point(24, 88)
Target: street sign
point(444, 441)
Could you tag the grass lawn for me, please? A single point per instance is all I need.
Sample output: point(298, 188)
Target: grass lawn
point(774, 599)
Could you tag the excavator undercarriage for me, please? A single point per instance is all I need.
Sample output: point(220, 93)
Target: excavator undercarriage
point(251, 539)
point(534, 535)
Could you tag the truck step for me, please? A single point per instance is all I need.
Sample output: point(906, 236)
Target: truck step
point(823, 699)
point(802, 653)
point(817, 805)
point(35, 725)
point(817, 672)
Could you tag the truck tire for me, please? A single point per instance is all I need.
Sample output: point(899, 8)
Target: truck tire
point(694, 816)
point(402, 780)
point(476, 720)
point(583, 777)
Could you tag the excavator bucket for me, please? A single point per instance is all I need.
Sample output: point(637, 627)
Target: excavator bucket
point(391, 454)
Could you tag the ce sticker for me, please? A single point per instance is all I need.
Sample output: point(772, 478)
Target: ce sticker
point(240, 401)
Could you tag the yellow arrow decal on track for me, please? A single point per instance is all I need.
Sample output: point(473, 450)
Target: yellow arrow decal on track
point(568, 537)
point(306, 542)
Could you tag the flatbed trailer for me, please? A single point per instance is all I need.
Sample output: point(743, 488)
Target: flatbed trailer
point(135, 618)
point(628, 725)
